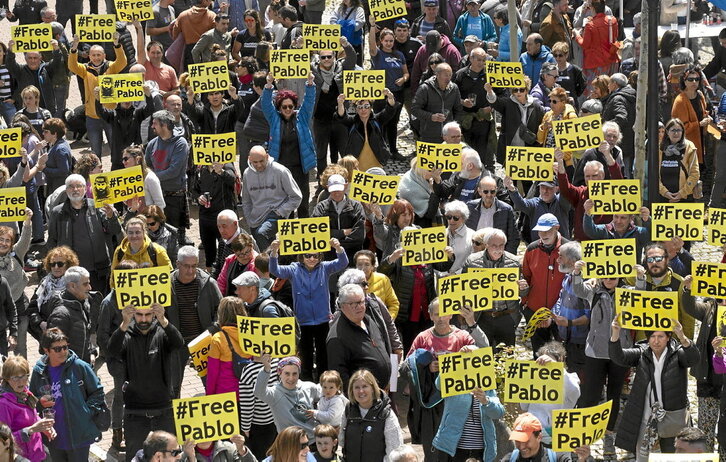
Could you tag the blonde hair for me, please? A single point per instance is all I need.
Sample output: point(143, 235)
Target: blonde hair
point(332, 377)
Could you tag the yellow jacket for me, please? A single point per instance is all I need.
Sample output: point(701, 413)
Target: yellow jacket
point(543, 130)
point(142, 256)
point(90, 79)
point(380, 285)
point(685, 183)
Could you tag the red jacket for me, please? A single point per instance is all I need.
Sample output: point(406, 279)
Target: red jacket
point(595, 41)
point(577, 195)
point(542, 273)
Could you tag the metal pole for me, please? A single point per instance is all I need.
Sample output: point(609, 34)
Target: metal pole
point(622, 13)
point(653, 103)
point(688, 23)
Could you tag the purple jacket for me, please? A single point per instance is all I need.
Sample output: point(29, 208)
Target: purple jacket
point(719, 364)
point(19, 416)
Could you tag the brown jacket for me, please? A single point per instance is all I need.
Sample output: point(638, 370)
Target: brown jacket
point(192, 23)
point(553, 30)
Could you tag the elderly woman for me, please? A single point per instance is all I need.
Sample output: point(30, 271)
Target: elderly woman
point(370, 429)
point(608, 148)
point(691, 108)
point(311, 300)
point(58, 165)
point(226, 359)
point(160, 232)
point(137, 246)
point(600, 87)
point(242, 259)
point(478, 240)
point(678, 164)
point(559, 109)
point(18, 410)
point(459, 235)
point(548, 75)
point(12, 256)
point(416, 188)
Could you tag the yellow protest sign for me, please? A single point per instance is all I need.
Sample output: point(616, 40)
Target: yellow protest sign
point(119, 88)
point(290, 64)
point(534, 164)
point(578, 134)
point(131, 10)
point(11, 140)
point(572, 428)
point(321, 36)
point(209, 77)
point(199, 352)
point(304, 235)
point(206, 418)
point(529, 382)
point(373, 189)
point(716, 233)
point(12, 204)
point(504, 282)
point(708, 279)
point(32, 37)
point(117, 185)
point(462, 372)
point(387, 9)
point(609, 258)
point(660, 457)
point(541, 314)
point(421, 246)
point(615, 196)
point(721, 321)
point(214, 148)
point(645, 309)
point(684, 220)
point(459, 290)
point(368, 85)
point(95, 27)
point(275, 336)
point(142, 287)
point(432, 156)
point(504, 74)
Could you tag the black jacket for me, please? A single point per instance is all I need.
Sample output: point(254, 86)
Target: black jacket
point(202, 116)
point(503, 220)
point(709, 383)
point(23, 77)
point(73, 317)
point(578, 178)
point(512, 120)
point(207, 301)
point(440, 25)
point(365, 436)
point(220, 189)
point(674, 384)
point(620, 108)
point(469, 83)
point(126, 126)
point(351, 216)
point(355, 133)
point(8, 312)
point(256, 126)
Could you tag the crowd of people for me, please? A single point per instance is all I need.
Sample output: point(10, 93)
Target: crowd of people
point(356, 307)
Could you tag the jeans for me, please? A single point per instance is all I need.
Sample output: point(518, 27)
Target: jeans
point(68, 455)
point(138, 424)
point(324, 134)
point(312, 338)
point(7, 110)
point(21, 305)
point(96, 128)
point(61, 96)
point(265, 233)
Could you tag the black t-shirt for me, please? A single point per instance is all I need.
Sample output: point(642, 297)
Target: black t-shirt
point(249, 42)
point(409, 49)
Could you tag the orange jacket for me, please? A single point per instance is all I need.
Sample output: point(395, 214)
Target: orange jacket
point(595, 41)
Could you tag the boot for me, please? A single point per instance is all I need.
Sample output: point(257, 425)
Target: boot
point(117, 442)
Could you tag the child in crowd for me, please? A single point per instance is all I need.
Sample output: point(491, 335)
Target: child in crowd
point(332, 405)
point(326, 441)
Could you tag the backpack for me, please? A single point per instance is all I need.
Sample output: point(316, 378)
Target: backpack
point(551, 456)
point(151, 251)
point(283, 311)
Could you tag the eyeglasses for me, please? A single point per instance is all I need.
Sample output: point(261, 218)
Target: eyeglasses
point(477, 242)
point(243, 253)
point(57, 264)
point(657, 259)
point(360, 303)
point(363, 284)
point(693, 79)
point(326, 57)
point(287, 106)
point(554, 76)
point(519, 90)
point(310, 255)
point(364, 106)
point(488, 191)
point(173, 452)
point(432, 63)
point(559, 55)
point(675, 130)
point(19, 378)
point(452, 217)
point(59, 348)
point(304, 444)
point(554, 101)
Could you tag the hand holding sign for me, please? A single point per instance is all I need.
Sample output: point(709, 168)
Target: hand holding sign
point(615, 328)
point(716, 344)
point(687, 281)
point(266, 362)
point(127, 314)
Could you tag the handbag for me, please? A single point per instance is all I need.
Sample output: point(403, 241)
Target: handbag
point(175, 53)
point(668, 423)
point(238, 362)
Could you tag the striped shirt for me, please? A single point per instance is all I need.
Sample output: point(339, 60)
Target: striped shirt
point(472, 436)
point(6, 90)
point(251, 409)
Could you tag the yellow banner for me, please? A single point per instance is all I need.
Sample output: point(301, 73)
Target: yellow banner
point(721, 321)
point(421, 246)
point(609, 258)
point(684, 220)
point(32, 37)
point(214, 148)
point(645, 309)
point(387, 9)
point(462, 372)
point(209, 77)
point(321, 36)
point(275, 336)
point(528, 382)
point(364, 85)
point(615, 196)
point(533, 164)
point(11, 140)
point(290, 64)
point(206, 418)
point(540, 315)
point(199, 352)
point(446, 157)
point(503, 74)
point(716, 233)
point(304, 235)
point(708, 279)
point(578, 134)
point(374, 189)
point(117, 185)
point(95, 27)
point(12, 204)
point(119, 88)
point(143, 287)
point(572, 428)
point(504, 282)
point(658, 457)
point(131, 10)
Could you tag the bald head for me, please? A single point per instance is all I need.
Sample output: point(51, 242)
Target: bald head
point(258, 158)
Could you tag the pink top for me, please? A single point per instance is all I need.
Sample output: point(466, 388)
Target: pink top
point(450, 343)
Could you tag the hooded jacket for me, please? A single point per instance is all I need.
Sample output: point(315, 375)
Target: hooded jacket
point(141, 257)
point(356, 132)
point(420, 63)
point(532, 65)
point(168, 159)
point(486, 28)
point(73, 317)
point(268, 191)
point(19, 416)
point(430, 100)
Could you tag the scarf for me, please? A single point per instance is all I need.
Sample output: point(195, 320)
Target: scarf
point(676, 150)
point(246, 79)
point(327, 77)
point(48, 286)
point(25, 398)
point(416, 190)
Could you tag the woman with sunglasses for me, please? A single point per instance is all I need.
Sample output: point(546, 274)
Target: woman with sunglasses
point(76, 393)
point(692, 108)
point(570, 76)
point(242, 259)
point(247, 40)
point(559, 109)
point(18, 410)
point(160, 232)
point(291, 445)
point(677, 164)
point(217, 451)
point(310, 276)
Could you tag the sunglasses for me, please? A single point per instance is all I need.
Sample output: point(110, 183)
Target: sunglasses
point(173, 452)
point(151, 223)
point(693, 79)
point(57, 264)
point(488, 191)
point(326, 57)
point(519, 90)
point(657, 259)
point(125, 158)
point(401, 23)
point(310, 255)
point(60, 348)
point(559, 55)
point(249, 19)
point(364, 106)
point(452, 217)
point(304, 445)
point(363, 284)
point(432, 63)
point(287, 106)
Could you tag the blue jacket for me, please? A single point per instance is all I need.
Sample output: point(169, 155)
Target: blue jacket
point(536, 207)
point(504, 48)
point(310, 294)
point(308, 159)
point(641, 234)
point(456, 409)
point(462, 24)
point(82, 396)
point(531, 65)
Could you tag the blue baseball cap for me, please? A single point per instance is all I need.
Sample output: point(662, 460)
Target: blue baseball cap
point(546, 222)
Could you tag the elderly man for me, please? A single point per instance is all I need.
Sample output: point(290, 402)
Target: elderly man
point(437, 101)
point(78, 224)
point(534, 57)
point(258, 301)
point(460, 185)
point(70, 311)
point(229, 228)
point(622, 227)
point(347, 218)
point(619, 107)
point(37, 73)
point(269, 194)
point(613, 137)
point(458, 233)
point(430, 20)
point(500, 323)
point(548, 201)
point(490, 212)
point(159, 446)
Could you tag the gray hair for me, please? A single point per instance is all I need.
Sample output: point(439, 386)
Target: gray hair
point(481, 234)
point(571, 250)
point(188, 251)
point(597, 164)
point(457, 206)
point(164, 117)
point(75, 273)
point(401, 453)
point(75, 178)
point(470, 155)
point(593, 106)
point(351, 276)
point(682, 55)
point(612, 125)
point(494, 232)
point(619, 79)
point(445, 129)
point(348, 290)
point(227, 214)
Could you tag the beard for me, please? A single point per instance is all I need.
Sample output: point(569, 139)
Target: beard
point(658, 272)
point(143, 325)
point(565, 269)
